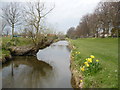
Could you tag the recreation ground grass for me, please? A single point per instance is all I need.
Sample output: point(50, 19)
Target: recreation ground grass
point(106, 51)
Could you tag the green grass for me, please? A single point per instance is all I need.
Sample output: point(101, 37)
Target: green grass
point(104, 49)
point(5, 52)
point(5, 39)
point(20, 41)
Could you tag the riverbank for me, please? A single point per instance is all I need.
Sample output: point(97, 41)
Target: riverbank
point(106, 50)
point(21, 47)
point(7, 43)
point(76, 75)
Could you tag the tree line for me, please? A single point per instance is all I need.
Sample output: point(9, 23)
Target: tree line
point(103, 22)
point(29, 16)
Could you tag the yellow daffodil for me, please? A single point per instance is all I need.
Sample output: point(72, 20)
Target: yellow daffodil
point(92, 56)
point(81, 81)
point(97, 60)
point(85, 62)
point(89, 60)
point(82, 69)
point(78, 52)
point(87, 65)
point(86, 59)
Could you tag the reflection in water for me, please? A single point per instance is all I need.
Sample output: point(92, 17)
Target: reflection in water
point(25, 72)
point(28, 72)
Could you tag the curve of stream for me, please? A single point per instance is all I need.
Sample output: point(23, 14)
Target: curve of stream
point(51, 69)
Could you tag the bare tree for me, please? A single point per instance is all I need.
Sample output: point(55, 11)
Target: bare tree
point(82, 29)
point(115, 15)
point(108, 17)
point(102, 22)
point(34, 13)
point(6, 31)
point(4, 24)
point(71, 32)
point(11, 14)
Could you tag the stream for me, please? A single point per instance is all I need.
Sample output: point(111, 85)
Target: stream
point(50, 69)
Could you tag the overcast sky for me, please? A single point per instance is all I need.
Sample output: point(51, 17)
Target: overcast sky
point(67, 13)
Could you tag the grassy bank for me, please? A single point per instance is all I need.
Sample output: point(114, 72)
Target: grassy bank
point(26, 45)
point(19, 41)
point(106, 51)
point(7, 42)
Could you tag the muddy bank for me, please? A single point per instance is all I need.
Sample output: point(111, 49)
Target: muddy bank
point(5, 58)
point(76, 76)
point(22, 50)
point(28, 50)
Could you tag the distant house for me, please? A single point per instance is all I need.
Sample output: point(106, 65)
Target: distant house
point(51, 34)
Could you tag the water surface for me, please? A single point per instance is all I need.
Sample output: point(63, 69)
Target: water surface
point(50, 69)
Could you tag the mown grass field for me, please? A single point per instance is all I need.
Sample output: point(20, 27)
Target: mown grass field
point(106, 51)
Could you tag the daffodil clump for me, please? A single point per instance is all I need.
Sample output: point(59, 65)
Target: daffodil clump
point(90, 65)
point(75, 55)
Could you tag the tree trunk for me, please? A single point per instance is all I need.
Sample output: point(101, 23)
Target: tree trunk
point(12, 31)
point(96, 34)
point(103, 34)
